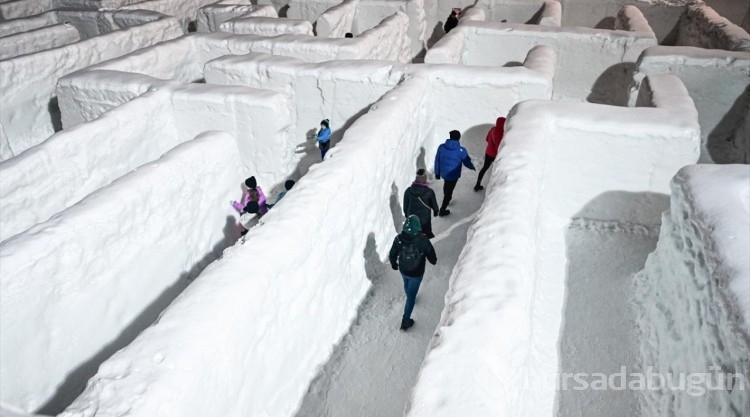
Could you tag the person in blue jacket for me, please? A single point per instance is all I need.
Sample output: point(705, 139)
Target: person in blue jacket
point(448, 160)
point(324, 138)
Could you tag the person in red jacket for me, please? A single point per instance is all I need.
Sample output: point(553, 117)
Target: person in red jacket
point(494, 136)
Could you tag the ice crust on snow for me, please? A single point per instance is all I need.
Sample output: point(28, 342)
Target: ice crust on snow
point(694, 294)
point(503, 314)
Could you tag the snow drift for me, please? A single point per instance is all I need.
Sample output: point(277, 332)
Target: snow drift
point(694, 295)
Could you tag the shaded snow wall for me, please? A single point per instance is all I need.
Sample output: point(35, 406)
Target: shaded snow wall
point(30, 113)
point(694, 295)
point(247, 324)
point(503, 314)
point(80, 160)
point(38, 40)
point(85, 279)
point(719, 83)
point(338, 20)
point(702, 27)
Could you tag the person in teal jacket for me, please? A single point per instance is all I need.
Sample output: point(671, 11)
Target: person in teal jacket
point(324, 137)
point(448, 160)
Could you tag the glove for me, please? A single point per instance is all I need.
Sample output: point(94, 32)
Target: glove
point(437, 177)
point(395, 267)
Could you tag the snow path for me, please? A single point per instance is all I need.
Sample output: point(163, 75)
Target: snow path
point(372, 371)
point(599, 329)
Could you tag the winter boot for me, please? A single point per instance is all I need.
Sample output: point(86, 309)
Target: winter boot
point(406, 324)
point(478, 187)
point(444, 212)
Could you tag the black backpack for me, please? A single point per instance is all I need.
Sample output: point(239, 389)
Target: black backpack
point(409, 256)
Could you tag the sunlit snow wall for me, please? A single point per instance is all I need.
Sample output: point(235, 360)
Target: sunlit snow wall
point(115, 143)
point(30, 112)
point(249, 334)
point(562, 167)
point(83, 284)
point(694, 295)
point(719, 83)
point(213, 15)
point(38, 40)
point(594, 65)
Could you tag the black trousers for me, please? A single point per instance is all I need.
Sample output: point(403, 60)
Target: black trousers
point(448, 187)
point(324, 146)
point(488, 160)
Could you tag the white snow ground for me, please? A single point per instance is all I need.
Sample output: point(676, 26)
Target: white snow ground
point(374, 367)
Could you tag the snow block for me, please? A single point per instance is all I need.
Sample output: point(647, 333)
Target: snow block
point(266, 26)
point(551, 14)
point(503, 315)
point(80, 286)
point(38, 40)
point(702, 27)
point(721, 95)
point(694, 295)
point(251, 323)
point(80, 160)
point(28, 82)
point(213, 15)
point(338, 20)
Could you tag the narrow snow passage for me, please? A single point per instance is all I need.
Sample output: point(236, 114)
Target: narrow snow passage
point(599, 331)
point(373, 369)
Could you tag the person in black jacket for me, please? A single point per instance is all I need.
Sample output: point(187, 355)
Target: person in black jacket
point(452, 20)
point(407, 255)
point(419, 199)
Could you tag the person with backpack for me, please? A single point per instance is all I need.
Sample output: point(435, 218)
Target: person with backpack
point(407, 255)
point(287, 186)
point(324, 137)
point(252, 193)
point(448, 160)
point(420, 200)
point(494, 137)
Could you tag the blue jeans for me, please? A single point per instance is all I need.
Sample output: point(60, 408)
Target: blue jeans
point(411, 287)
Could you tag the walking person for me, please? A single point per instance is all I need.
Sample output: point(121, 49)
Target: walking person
point(452, 20)
point(419, 199)
point(324, 137)
point(407, 255)
point(448, 160)
point(287, 186)
point(494, 137)
point(253, 192)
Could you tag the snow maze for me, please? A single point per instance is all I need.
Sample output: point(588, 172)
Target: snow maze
point(613, 234)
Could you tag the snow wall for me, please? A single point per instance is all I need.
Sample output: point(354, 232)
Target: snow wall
point(338, 20)
point(267, 26)
point(694, 295)
point(78, 287)
point(702, 27)
point(187, 10)
point(594, 65)
point(255, 332)
point(721, 95)
point(84, 158)
point(213, 15)
point(29, 104)
point(89, 23)
point(503, 314)
point(38, 40)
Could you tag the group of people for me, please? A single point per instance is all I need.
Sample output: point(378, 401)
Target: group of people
point(412, 247)
point(253, 202)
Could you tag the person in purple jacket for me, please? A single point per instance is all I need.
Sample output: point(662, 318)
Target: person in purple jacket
point(448, 160)
point(252, 193)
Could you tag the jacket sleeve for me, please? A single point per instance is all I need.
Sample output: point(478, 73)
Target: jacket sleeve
point(437, 160)
point(393, 254)
point(432, 201)
point(324, 135)
point(406, 204)
point(488, 139)
point(431, 255)
point(467, 160)
point(261, 196)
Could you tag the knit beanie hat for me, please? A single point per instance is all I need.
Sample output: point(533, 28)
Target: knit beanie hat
point(412, 225)
point(252, 207)
point(325, 122)
point(289, 184)
point(251, 182)
point(421, 175)
point(455, 134)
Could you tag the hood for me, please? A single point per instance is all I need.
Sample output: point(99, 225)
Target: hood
point(418, 189)
point(412, 225)
point(452, 144)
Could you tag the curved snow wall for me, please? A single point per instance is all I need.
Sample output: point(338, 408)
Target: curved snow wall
point(694, 296)
point(594, 65)
point(702, 27)
point(30, 112)
point(251, 323)
point(503, 317)
point(84, 158)
point(76, 288)
point(721, 95)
